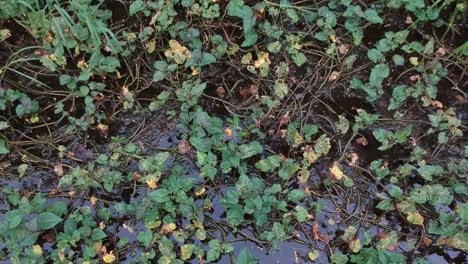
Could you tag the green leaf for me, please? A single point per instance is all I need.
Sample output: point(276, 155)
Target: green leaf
point(146, 237)
point(249, 150)
point(375, 55)
point(299, 58)
point(289, 168)
point(300, 213)
point(215, 250)
point(398, 60)
point(372, 16)
point(136, 6)
point(322, 146)
point(4, 125)
point(47, 220)
point(4, 149)
point(280, 89)
point(339, 258)
point(378, 74)
point(245, 257)
point(386, 205)
point(292, 14)
point(269, 164)
point(160, 195)
point(274, 47)
point(428, 171)
point(296, 195)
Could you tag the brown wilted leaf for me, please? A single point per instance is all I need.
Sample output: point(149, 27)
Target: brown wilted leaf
point(354, 159)
point(283, 133)
point(460, 98)
point(318, 235)
point(258, 123)
point(253, 89)
point(409, 20)
point(426, 241)
point(437, 104)
point(183, 147)
point(136, 176)
point(362, 141)
point(440, 52)
point(315, 231)
point(334, 76)
point(103, 129)
point(344, 48)
point(249, 91)
point(58, 169)
point(220, 91)
point(415, 78)
point(284, 120)
point(82, 64)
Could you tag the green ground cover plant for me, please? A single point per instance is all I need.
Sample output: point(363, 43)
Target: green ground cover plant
point(216, 131)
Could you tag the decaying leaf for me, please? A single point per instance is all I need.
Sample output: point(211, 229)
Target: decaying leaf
point(220, 91)
point(58, 169)
point(354, 159)
point(183, 147)
point(284, 120)
point(334, 76)
point(362, 141)
point(177, 52)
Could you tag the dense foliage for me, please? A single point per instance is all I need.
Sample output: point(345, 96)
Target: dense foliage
point(174, 131)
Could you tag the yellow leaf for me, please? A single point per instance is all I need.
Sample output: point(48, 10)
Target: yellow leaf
point(228, 132)
point(177, 52)
point(200, 192)
point(314, 255)
point(415, 218)
point(414, 61)
point(168, 228)
point(152, 183)
point(298, 139)
point(93, 200)
point(186, 251)
point(198, 224)
point(311, 156)
point(336, 171)
point(34, 119)
point(263, 58)
point(152, 224)
point(109, 257)
point(37, 250)
point(355, 245)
